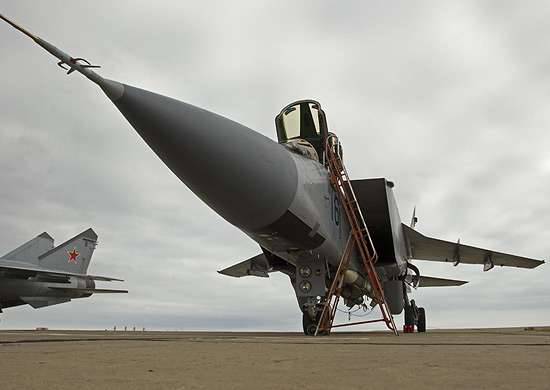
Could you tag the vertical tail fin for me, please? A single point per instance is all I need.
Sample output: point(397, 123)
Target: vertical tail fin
point(73, 255)
point(29, 251)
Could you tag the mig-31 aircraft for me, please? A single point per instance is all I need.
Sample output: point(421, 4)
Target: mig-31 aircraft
point(39, 274)
point(333, 237)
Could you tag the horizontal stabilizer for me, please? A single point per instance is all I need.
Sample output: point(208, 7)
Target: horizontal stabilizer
point(433, 249)
point(90, 290)
point(103, 278)
point(38, 302)
point(255, 266)
point(428, 281)
point(8, 265)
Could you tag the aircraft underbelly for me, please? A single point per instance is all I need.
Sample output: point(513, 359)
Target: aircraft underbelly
point(14, 289)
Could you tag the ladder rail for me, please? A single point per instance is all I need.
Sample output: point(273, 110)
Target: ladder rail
point(354, 197)
point(356, 227)
point(334, 287)
point(360, 235)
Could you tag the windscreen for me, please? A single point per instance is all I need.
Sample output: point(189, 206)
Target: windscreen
point(301, 121)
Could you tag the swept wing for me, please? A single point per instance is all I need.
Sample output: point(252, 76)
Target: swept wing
point(422, 247)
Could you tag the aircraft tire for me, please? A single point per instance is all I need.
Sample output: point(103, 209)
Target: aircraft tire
point(409, 315)
point(421, 324)
point(310, 326)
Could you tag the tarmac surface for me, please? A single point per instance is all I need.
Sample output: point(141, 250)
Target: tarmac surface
point(517, 358)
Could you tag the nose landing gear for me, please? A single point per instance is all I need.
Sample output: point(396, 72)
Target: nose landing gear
point(310, 324)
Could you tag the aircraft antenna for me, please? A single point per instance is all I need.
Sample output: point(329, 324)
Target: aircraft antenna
point(66, 62)
point(414, 218)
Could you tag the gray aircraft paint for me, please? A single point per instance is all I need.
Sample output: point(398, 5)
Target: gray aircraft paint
point(30, 250)
point(242, 175)
point(36, 292)
point(59, 258)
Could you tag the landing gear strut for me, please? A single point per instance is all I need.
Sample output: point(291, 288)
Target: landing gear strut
point(414, 315)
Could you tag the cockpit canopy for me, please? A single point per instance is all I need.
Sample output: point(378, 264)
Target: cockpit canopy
point(303, 120)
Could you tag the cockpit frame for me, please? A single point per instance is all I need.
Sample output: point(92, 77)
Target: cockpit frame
point(312, 125)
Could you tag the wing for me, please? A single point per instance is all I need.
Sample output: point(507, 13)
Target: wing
point(255, 266)
point(18, 267)
point(430, 281)
point(433, 249)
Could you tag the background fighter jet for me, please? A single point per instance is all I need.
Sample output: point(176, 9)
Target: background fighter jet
point(39, 274)
point(282, 195)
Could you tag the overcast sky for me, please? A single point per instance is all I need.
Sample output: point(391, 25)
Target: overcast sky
point(447, 99)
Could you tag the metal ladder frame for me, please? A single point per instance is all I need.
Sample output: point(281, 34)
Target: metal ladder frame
point(359, 237)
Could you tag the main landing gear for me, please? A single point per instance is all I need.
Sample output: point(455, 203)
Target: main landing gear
point(414, 315)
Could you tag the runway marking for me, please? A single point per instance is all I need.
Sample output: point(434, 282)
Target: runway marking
point(434, 339)
point(373, 343)
point(286, 343)
point(31, 341)
point(279, 340)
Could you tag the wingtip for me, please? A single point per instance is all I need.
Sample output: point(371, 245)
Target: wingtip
point(222, 272)
point(538, 263)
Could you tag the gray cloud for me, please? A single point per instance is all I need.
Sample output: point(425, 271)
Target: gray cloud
point(448, 100)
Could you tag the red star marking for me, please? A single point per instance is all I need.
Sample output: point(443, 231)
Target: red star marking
point(73, 255)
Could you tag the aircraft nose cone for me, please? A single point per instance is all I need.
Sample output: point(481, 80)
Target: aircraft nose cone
point(244, 176)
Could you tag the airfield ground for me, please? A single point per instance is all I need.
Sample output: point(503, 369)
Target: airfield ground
point(466, 359)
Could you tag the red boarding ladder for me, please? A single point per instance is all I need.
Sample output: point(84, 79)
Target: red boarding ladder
point(359, 237)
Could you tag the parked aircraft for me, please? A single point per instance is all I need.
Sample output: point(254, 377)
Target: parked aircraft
point(39, 274)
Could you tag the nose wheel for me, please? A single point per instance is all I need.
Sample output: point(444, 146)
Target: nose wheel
point(310, 325)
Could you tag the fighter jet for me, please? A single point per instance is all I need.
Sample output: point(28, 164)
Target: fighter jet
point(39, 274)
point(290, 199)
